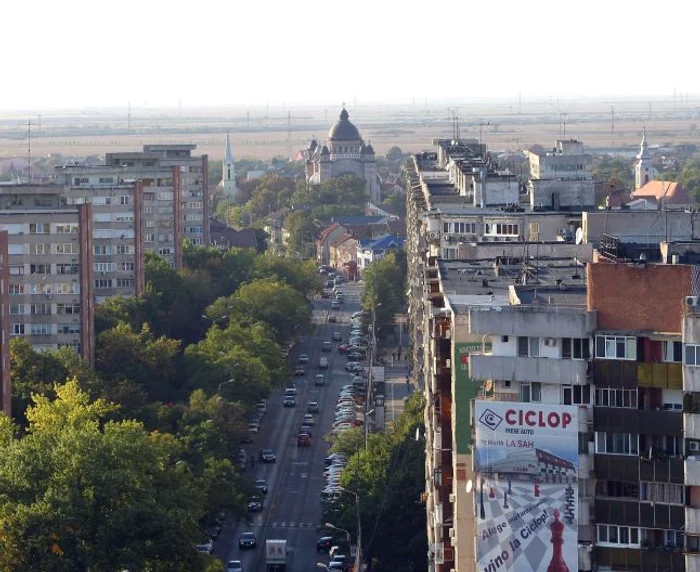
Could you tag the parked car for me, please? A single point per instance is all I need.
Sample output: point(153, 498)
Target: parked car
point(234, 566)
point(266, 456)
point(324, 544)
point(205, 547)
point(247, 540)
point(336, 336)
point(255, 504)
point(261, 485)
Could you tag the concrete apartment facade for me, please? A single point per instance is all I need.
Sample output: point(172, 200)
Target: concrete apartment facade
point(50, 267)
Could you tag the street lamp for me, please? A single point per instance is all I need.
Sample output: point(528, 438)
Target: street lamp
point(322, 566)
point(367, 426)
point(333, 527)
point(358, 551)
point(218, 390)
point(215, 320)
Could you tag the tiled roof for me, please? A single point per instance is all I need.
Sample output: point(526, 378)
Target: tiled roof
point(673, 192)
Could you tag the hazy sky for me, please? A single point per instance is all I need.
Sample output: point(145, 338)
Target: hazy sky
point(77, 53)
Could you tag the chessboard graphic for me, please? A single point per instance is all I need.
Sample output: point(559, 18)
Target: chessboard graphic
point(515, 521)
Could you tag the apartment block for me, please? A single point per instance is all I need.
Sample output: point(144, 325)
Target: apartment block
point(118, 226)
point(6, 390)
point(560, 179)
point(50, 267)
point(175, 197)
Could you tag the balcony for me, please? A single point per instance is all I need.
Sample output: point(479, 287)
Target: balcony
point(483, 367)
point(691, 425)
point(544, 322)
point(659, 374)
point(692, 520)
point(691, 471)
point(691, 378)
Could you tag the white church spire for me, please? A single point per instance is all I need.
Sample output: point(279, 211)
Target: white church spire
point(228, 177)
point(644, 171)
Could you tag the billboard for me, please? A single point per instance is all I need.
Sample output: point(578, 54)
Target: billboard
point(526, 486)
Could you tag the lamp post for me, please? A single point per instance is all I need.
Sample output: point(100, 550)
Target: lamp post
point(358, 553)
point(218, 390)
point(322, 566)
point(215, 320)
point(366, 427)
point(333, 527)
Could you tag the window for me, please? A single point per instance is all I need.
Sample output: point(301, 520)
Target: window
point(610, 397)
point(692, 543)
point(127, 266)
point(575, 348)
point(103, 283)
point(39, 269)
point(67, 288)
point(617, 535)
point(103, 250)
point(16, 289)
point(68, 328)
point(150, 238)
point(16, 329)
point(125, 249)
point(617, 489)
point(531, 392)
point(666, 493)
point(38, 228)
point(124, 200)
point(673, 352)
point(616, 347)
point(67, 248)
point(576, 395)
point(67, 228)
point(528, 347)
point(17, 270)
point(125, 282)
point(68, 309)
point(40, 329)
point(16, 309)
point(616, 443)
point(41, 309)
point(40, 248)
point(64, 269)
point(692, 354)
point(104, 266)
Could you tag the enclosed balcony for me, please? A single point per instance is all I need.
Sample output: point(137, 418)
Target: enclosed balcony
point(483, 367)
point(533, 321)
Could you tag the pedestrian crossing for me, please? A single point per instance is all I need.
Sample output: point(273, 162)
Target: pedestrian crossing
point(294, 525)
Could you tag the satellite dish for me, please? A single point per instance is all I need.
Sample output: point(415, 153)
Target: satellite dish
point(470, 485)
point(579, 235)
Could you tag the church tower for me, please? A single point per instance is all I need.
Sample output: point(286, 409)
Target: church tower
point(228, 178)
point(643, 169)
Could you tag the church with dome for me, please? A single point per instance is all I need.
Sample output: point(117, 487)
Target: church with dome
point(344, 153)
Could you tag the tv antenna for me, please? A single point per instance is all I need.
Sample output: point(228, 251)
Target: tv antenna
point(29, 147)
point(455, 124)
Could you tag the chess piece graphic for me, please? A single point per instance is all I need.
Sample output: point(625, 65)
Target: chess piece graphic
point(537, 488)
point(510, 490)
point(482, 512)
point(505, 500)
point(569, 504)
point(557, 564)
point(492, 494)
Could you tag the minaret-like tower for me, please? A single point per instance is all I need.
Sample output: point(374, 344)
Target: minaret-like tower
point(228, 178)
point(643, 169)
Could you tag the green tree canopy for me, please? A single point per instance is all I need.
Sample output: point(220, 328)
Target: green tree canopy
point(79, 492)
point(385, 289)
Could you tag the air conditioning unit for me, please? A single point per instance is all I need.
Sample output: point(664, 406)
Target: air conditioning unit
point(694, 446)
point(432, 235)
point(692, 300)
point(452, 497)
point(439, 555)
point(551, 342)
point(453, 533)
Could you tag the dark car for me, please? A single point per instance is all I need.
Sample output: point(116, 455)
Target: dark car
point(266, 456)
point(299, 370)
point(337, 336)
point(333, 319)
point(312, 407)
point(247, 540)
point(255, 504)
point(324, 544)
point(303, 440)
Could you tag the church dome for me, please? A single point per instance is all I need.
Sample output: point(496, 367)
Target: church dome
point(343, 130)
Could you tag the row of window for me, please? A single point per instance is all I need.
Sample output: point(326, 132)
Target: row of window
point(109, 249)
point(459, 227)
point(110, 266)
point(666, 493)
point(43, 269)
point(18, 329)
point(633, 444)
point(614, 535)
point(20, 288)
point(45, 228)
point(103, 283)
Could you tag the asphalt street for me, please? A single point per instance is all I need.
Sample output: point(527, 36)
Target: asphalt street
point(292, 508)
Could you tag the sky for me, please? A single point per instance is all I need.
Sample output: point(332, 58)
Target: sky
point(156, 53)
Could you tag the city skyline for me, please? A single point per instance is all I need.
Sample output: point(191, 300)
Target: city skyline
point(249, 53)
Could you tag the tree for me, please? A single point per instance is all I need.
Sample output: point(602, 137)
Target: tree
point(394, 154)
point(300, 228)
point(80, 492)
point(385, 289)
point(388, 477)
point(690, 177)
point(302, 276)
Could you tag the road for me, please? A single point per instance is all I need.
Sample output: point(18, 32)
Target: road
point(292, 509)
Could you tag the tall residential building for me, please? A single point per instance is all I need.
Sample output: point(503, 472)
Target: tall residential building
point(176, 202)
point(118, 225)
point(51, 288)
point(6, 389)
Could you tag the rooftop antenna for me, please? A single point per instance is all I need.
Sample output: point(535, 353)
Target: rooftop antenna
point(455, 125)
point(29, 148)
